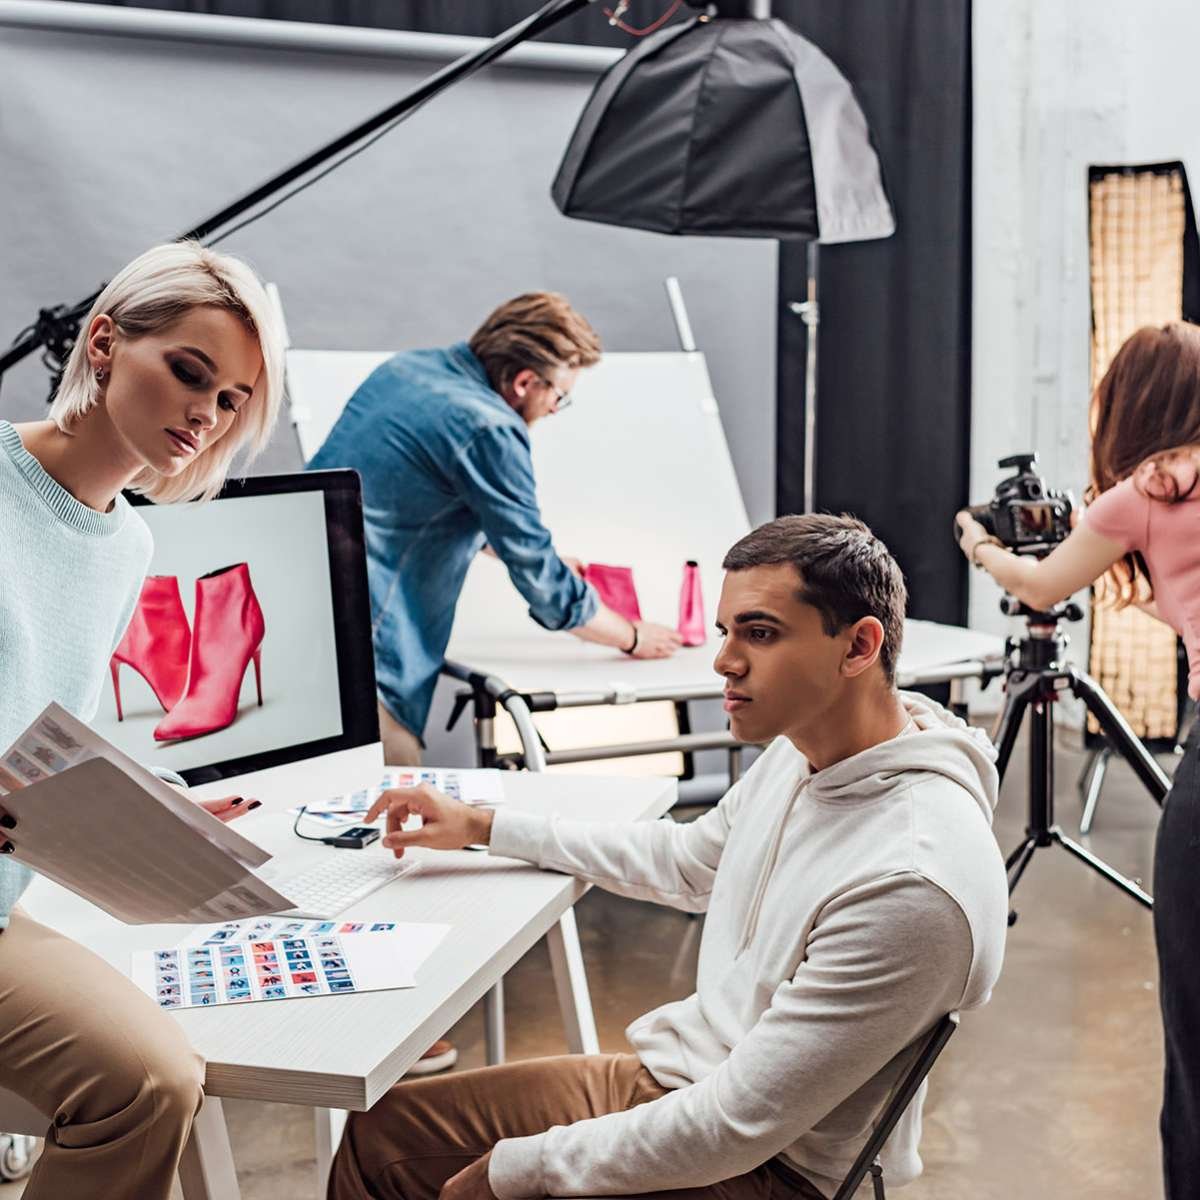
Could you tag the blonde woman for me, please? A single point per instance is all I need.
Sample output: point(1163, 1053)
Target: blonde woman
point(178, 367)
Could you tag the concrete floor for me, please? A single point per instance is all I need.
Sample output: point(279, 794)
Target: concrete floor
point(1052, 1090)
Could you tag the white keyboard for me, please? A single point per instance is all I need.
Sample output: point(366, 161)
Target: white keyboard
point(345, 877)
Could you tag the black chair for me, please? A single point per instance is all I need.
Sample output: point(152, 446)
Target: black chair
point(868, 1160)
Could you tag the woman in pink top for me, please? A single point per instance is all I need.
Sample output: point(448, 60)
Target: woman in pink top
point(1141, 532)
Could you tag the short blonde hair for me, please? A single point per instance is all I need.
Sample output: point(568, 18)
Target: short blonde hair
point(151, 293)
point(537, 331)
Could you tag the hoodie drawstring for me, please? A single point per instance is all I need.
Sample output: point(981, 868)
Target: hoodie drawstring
point(768, 869)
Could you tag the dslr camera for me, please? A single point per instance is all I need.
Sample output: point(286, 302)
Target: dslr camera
point(1025, 514)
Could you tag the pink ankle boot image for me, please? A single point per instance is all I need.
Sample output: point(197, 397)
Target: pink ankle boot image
point(227, 634)
point(156, 643)
point(691, 607)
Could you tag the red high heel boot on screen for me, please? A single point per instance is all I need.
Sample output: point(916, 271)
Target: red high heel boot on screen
point(227, 634)
point(156, 643)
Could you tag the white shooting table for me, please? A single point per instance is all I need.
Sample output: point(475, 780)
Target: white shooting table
point(343, 1052)
point(636, 473)
point(530, 670)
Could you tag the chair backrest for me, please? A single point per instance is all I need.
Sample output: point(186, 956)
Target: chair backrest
point(934, 1044)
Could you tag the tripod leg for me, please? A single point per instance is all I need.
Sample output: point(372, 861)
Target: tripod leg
point(1008, 725)
point(1102, 868)
point(1095, 782)
point(1089, 766)
point(1121, 738)
point(1017, 861)
point(1041, 770)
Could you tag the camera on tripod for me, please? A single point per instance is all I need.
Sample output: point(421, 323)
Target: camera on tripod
point(1025, 514)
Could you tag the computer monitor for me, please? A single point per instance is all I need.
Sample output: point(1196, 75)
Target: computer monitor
point(290, 547)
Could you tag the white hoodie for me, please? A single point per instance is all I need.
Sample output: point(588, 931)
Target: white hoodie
point(848, 911)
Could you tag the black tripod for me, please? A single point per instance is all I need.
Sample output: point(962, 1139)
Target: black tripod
point(1036, 674)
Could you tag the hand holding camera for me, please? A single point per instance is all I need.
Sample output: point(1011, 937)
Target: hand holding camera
point(1024, 516)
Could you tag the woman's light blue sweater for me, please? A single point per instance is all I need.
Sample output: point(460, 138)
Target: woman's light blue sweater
point(69, 581)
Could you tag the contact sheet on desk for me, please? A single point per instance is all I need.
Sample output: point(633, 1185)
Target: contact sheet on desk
point(280, 968)
point(266, 928)
point(273, 970)
point(472, 785)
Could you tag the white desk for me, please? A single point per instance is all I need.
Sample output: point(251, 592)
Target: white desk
point(344, 1052)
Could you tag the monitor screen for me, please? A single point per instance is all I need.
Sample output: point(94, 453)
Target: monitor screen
point(251, 644)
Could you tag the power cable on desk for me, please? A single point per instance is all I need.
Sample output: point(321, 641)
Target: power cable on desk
point(308, 837)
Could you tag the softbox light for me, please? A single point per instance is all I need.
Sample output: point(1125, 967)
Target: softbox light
point(726, 126)
point(1145, 270)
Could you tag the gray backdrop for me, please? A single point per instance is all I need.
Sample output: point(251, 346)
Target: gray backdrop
point(108, 144)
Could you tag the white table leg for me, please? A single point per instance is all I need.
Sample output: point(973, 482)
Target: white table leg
point(206, 1165)
point(328, 1124)
point(570, 981)
point(493, 1024)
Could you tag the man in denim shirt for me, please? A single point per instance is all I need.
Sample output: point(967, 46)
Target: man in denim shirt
point(441, 440)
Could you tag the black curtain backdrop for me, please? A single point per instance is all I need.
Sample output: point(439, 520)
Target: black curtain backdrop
point(893, 413)
point(894, 343)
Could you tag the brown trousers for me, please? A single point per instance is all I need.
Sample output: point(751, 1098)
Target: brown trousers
point(113, 1073)
point(401, 747)
point(424, 1131)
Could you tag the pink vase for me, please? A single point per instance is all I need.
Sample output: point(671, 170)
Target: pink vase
point(692, 626)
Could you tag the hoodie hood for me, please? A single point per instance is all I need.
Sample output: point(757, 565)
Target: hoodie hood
point(941, 744)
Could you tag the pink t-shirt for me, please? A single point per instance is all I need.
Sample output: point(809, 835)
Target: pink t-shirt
point(1168, 536)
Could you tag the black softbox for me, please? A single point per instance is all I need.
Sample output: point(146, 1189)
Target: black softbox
point(726, 127)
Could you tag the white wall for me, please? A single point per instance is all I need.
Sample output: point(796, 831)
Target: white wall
point(1058, 87)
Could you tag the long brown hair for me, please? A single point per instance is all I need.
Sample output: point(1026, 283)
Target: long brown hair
point(1146, 413)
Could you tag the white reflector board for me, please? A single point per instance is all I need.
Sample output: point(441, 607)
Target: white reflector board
point(635, 473)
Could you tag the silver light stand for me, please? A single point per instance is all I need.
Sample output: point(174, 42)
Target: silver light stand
point(809, 311)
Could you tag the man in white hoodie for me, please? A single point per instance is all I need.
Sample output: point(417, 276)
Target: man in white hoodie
point(854, 891)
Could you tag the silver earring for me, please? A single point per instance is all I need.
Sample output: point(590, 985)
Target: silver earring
point(99, 374)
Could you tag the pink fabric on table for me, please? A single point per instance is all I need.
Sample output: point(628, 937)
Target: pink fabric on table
point(614, 586)
point(1168, 537)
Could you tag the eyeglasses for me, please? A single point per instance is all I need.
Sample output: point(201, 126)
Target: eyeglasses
point(561, 399)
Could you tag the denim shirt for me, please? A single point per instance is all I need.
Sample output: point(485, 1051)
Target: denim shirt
point(445, 465)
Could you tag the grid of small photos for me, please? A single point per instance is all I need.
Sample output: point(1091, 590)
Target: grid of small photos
point(470, 786)
point(266, 928)
point(47, 742)
point(275, 969)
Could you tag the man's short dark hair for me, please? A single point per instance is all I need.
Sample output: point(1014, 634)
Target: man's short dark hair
point(846, 573)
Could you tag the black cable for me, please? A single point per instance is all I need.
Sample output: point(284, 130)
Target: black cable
point(307, 837)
